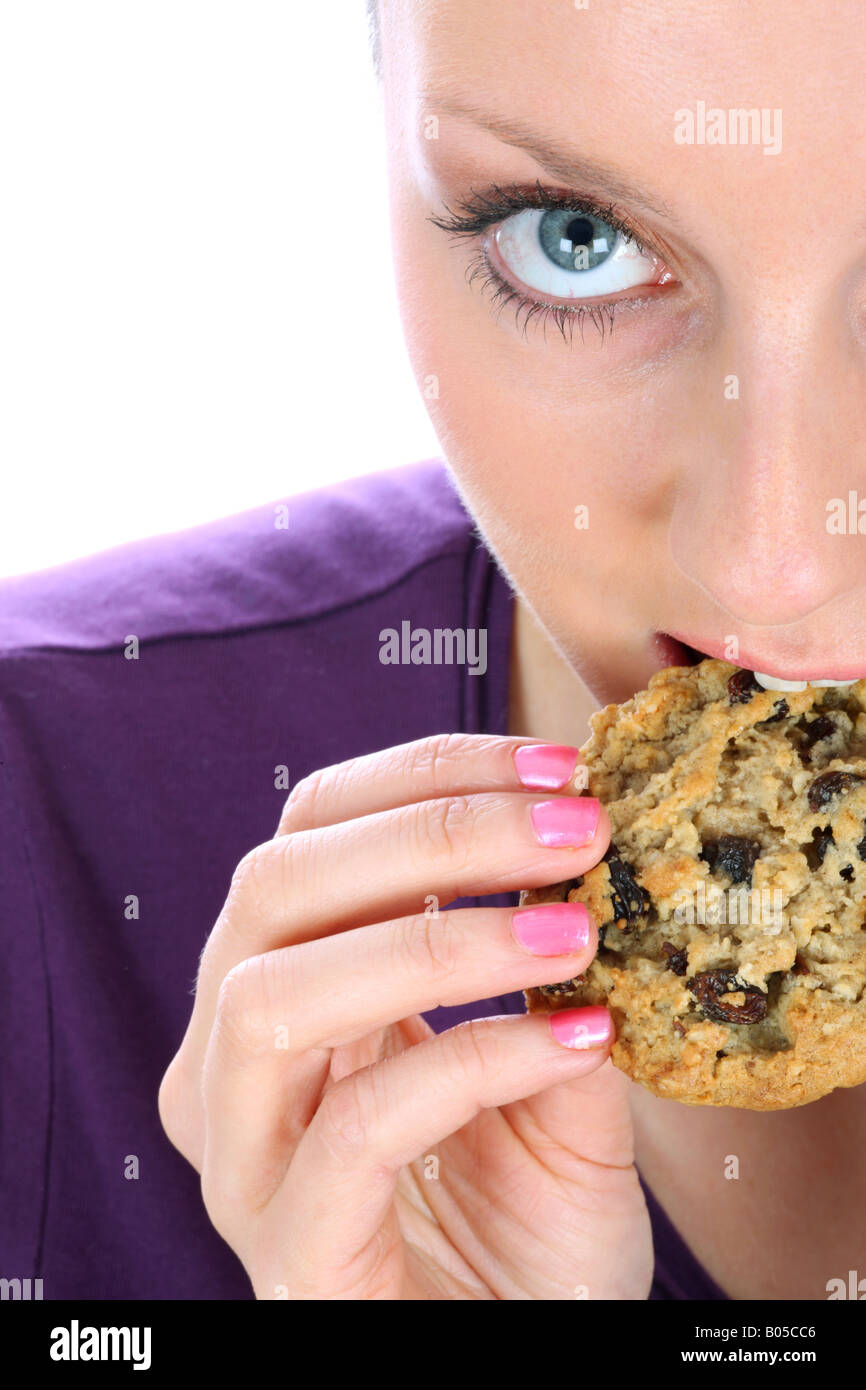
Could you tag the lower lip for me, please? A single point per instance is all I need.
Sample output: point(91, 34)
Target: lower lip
point(680, 651)
point(671, 652)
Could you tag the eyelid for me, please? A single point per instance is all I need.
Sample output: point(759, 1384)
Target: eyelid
point(481, 210)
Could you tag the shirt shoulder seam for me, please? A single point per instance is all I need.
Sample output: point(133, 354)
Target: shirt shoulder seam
point(298, 620)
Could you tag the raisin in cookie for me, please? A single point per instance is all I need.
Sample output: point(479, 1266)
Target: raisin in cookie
point(731, 903)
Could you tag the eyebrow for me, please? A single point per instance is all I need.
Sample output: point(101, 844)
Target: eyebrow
point(560, 160)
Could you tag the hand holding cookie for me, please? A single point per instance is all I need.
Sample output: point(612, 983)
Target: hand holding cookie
point(345, 1150)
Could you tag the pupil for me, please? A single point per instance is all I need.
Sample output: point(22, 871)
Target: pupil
point(579, 231)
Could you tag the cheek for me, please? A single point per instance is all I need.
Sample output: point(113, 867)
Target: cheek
point(535, 430)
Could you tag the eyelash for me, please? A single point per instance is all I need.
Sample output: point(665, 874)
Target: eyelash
point(473, 216)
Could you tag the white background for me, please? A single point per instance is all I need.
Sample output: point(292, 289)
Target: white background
point(197, 312)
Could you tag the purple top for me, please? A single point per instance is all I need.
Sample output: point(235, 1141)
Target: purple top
point(258, 647)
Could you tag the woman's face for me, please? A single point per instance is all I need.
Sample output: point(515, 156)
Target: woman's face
point(671, 335)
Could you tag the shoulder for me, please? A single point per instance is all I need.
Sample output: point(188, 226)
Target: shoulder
point(288, 560)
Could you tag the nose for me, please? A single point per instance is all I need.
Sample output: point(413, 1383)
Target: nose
point(764, 510)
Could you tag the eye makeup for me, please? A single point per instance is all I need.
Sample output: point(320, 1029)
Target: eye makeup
point(565, 238)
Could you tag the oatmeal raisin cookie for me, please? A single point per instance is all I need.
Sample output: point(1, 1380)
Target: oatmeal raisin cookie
point(731, 904)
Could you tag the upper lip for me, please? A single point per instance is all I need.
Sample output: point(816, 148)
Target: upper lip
point(826, 668)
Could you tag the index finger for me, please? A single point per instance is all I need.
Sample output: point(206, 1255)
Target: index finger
point(439, 766)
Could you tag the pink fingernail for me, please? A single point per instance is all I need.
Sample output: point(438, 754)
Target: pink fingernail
point(552, 929)
point(582, 1028)
point(545, 766)
point(566, 823)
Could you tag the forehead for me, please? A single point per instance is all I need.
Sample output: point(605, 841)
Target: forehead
point(676, 47)
point(610, 80)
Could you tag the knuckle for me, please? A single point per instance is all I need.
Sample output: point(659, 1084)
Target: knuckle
point(435, 759)
point(300, 809)
point(170, 1099)
point(474, 1050)
point(247, 879)
point(295, 871)
point(444, 828)
point(343, 1120)
point(180, 1110)
point(242, 1016)
point(269, 879)
point(283, 883)
point(428, 948)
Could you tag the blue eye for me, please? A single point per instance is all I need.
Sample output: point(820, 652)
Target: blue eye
point(570, 254)
point(574, 241)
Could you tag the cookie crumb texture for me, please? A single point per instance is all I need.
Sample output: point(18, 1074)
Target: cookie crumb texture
point(731, 903)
